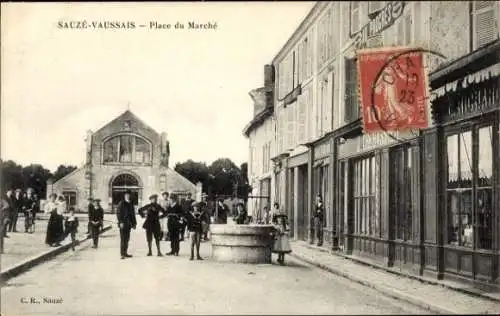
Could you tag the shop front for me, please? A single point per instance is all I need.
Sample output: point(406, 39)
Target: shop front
point(298, 195)
point(462, 177)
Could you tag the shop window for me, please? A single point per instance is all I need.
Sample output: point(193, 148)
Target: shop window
point(483, 23)
point(400, 192)
point(322, 184)
point(470, 187)
point(364, 183)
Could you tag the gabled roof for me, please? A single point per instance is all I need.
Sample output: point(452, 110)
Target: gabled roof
point(128, 115)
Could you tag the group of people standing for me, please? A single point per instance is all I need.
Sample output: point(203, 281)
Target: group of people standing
point(62, 221)
point(179, 216)
point(16, 202)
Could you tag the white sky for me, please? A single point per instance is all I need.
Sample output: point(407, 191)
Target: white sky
point(192, 84)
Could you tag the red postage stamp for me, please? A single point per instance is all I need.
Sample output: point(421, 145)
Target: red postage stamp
point(393, 89)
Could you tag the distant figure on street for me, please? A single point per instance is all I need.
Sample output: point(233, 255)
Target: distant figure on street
point(55, 229)
point(30, 210)
point(317, 221)
point(126, 221)
point(96, 218)
point(242, 216)
point(18, 204)
point(71, 226)
point(152, 212)
point(281, 244)
point(174, 213)
point(267, 216)
point(206, 220)
point(90, 209)
point(186, 206)
point(4, 217)
point(164, 203)
point(194, 224)
point(222, 212)
point(9, 210)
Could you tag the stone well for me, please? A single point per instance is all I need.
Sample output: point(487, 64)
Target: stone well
point(241, 243)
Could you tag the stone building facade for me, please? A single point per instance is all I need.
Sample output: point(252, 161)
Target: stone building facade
point(383, 197)
point(125, 154)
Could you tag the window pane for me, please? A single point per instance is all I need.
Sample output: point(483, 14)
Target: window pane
point(453, 205)
point(484, 218)
point(485, 156)
point(452, 149)
point(466, 159)
point(111, 150)
point(142, 151)
point(126, 148)
point(466, 219)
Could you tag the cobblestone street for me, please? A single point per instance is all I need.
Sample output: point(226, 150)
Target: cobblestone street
point(91, 281)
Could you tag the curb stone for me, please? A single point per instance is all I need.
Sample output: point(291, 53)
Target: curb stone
point(38, 259)
point(383, 289)
point(469, 292)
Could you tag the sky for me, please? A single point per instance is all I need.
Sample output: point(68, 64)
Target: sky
point(57, 83)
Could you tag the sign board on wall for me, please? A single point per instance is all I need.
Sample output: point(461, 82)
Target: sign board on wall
point(368, 142)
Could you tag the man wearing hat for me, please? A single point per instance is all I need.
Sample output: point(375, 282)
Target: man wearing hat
point(96, 217)
point(126, 221)
point(186, 206)
point(152, 212)
point(174, 213)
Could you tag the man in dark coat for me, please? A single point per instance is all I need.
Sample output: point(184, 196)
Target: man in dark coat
point(174, 213)
point(96, 217)
point(186, 207)
point(30, 210)
point(222, 212)
point(18, 204)
point(152, 212)
point(126, 221)
point(9, 209)
point(90, 209)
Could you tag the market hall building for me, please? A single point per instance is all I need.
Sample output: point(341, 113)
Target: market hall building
point(428, 203)
point(125, 154)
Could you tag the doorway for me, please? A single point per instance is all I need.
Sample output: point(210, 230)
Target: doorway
point(120, 185)
point(302, 211)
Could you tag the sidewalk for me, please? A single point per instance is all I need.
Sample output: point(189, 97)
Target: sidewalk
point(21, 246)
point(436, 298)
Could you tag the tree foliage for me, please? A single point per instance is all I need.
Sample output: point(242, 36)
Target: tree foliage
point(62, 171)
point(222, 177)
point(15, 176)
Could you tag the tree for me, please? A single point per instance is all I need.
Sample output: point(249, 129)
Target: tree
point(244, 187)
point(225, 176)
point(194, 172)
point(15, 176)
point(62, 171)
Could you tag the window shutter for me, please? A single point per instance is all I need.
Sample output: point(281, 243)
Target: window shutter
point(301, 118)
point(351, 93)
point(484, 24)
point(290, 126)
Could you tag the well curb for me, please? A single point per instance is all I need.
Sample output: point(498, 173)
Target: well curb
point(38, 259)
point(380, 288)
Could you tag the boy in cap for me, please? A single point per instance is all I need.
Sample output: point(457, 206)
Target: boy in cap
point(96, 217)
point(194, 219)
point(71, 225)
point(152, 212)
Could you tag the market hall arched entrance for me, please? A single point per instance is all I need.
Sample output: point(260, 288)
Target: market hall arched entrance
point(122, 183)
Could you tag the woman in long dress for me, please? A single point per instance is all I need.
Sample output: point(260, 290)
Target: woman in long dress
point(55, 229)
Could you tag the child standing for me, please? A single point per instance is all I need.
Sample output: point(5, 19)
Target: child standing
point(194, 219)
point(281, 240)
point(71, 226)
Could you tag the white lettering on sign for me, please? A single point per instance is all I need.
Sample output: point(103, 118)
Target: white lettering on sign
point(386, 17)
point(384, 138)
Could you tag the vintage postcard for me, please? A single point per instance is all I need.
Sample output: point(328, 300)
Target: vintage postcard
point(250, 158)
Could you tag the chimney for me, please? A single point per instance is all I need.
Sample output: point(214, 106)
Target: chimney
point(268, 76)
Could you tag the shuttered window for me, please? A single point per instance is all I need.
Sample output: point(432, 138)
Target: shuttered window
point(301, 118)
point(484, 29)
point(290, 133)
point(351, 91)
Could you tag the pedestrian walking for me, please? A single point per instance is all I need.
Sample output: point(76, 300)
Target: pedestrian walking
point(96, 218)
point(152, 212)
point(71, 227)
point(186, 206)
point(55, 225)
point(90, 209)
point(206, 217)
point(9, 210)
point(164, 203)
point(194, 224)
point(30, 210)
point(222, 212)
point(281, 244)
point(242, 216)
point(174, 213)
point(18, 204)
point(126, 222)
point(317, 221)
